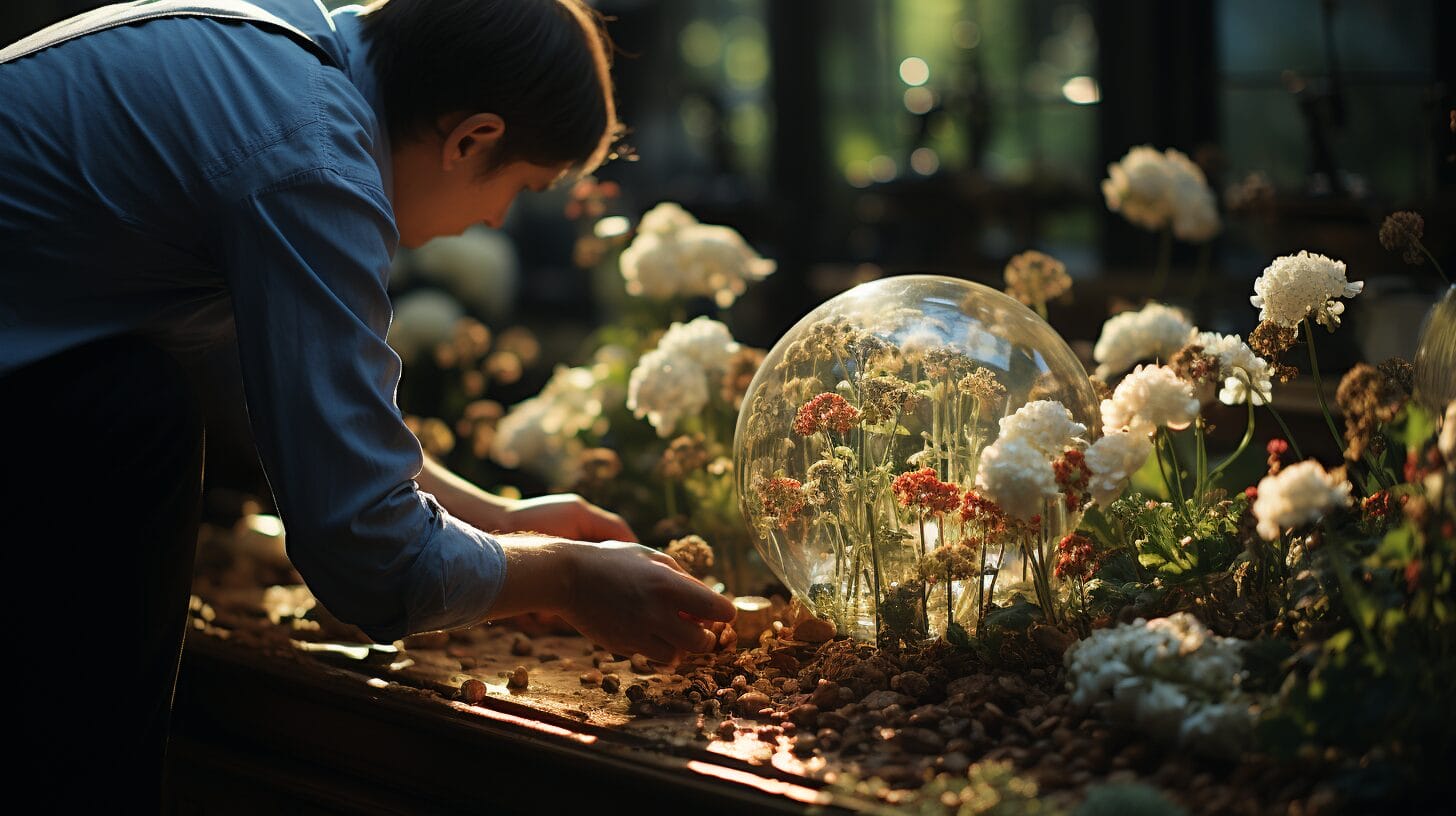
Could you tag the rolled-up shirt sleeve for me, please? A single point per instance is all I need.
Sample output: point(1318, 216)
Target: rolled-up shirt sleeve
point(306, 260)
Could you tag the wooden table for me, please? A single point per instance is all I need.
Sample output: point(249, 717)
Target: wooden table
point(311, 728)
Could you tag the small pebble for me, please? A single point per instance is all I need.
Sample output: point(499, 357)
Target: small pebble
point(814, 630)
point(641, 665)
point(727, 730)
point(521, 645)
point(610, 683)
point(591, 677)
point(472, 691)
point(519, 678)
point(752, 703)
point(636, 692)
point(468, 663)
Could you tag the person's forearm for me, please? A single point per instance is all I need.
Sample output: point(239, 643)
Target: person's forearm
point(539, 575)
point(464, 500)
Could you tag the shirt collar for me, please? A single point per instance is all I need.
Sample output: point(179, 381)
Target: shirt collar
point(348, 29)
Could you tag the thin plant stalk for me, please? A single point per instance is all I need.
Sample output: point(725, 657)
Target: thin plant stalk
point(1288, 435)
point(1434, 262)
point(1319, 388)
point(1243, 444)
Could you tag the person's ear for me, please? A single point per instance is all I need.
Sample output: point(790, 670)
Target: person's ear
point(473, 136)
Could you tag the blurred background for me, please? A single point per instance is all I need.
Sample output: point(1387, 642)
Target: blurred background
point(853, 139)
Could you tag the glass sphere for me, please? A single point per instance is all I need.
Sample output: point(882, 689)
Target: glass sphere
point(859, 456)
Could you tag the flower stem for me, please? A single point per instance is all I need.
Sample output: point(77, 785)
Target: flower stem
point(1434, 262)
point(1177, 472)
point(1319, 387)
point(1243, 444)
point(1288, 436)
point(1200, 472)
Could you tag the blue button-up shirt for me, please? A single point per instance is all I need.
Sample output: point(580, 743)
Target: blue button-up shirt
point(185, 176)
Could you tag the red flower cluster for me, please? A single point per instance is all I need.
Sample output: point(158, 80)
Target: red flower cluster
point(783, 499)
point(1072, 475)
point(826, 412)
point(1075, 558)
point(1276, 449)
point(975, 507)
point(1379, 505)
point(1417, 468)
point(1251, 492)
point(922, 489)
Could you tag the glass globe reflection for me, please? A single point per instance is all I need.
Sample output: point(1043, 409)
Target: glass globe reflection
point(874, 468)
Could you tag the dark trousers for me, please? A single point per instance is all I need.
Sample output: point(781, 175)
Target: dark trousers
point(101, 455)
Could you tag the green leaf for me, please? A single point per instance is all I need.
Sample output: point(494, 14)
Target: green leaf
point(956, 635)
point(1018, 616)
point(1414, 426)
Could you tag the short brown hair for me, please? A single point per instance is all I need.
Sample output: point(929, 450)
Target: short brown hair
point(544, 66)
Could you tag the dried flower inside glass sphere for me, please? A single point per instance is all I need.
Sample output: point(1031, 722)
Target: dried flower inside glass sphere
point(910, 455)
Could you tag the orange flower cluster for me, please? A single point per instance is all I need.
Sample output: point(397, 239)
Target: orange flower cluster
point(983, 511)
point(1075, 557)
point(783, 499)
point(923, 489)
point(826, 412)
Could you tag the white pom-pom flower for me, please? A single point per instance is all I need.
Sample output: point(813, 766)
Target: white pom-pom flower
point(1295, 286)
point(707, 342)
point(1155, 331)
point(1298, 494)
point(1113, 460)
point(1138, 186)
point(675, 256)
point(1169, 677)
point(1245, 374)
point(1195, 209)
point(1046, 425)
point(1016, 476)
point(541, 435)
point(666, 386)
point(1149, 398)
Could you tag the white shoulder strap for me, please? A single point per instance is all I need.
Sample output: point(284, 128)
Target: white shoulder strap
point(141, 11)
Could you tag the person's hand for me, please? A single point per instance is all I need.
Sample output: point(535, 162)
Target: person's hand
point(566, 515)
point(628, 598)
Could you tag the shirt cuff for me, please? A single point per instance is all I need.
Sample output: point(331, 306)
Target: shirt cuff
point(454, 581)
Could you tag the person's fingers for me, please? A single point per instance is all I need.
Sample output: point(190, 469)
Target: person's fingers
point(667, 561)
point(608, 526)
point(686, 636)
point(660, 651)
point(702, 603)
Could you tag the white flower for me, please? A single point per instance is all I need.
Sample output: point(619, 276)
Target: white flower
point(1155, 190)
point(1154, 332)
point(1296, 495)
point(1147, 399)
point(1195, 209)
point(1293, 286)
point(422, 320)
point(1239, 367)
point(666, 386)
point(541, 435)
point(1139, 187)
point(1046, 425)
point(665, 219)
point(704, 340)
point(1113, 460)
point(675, 256)
point(1170, 677)
point(1016, 476)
